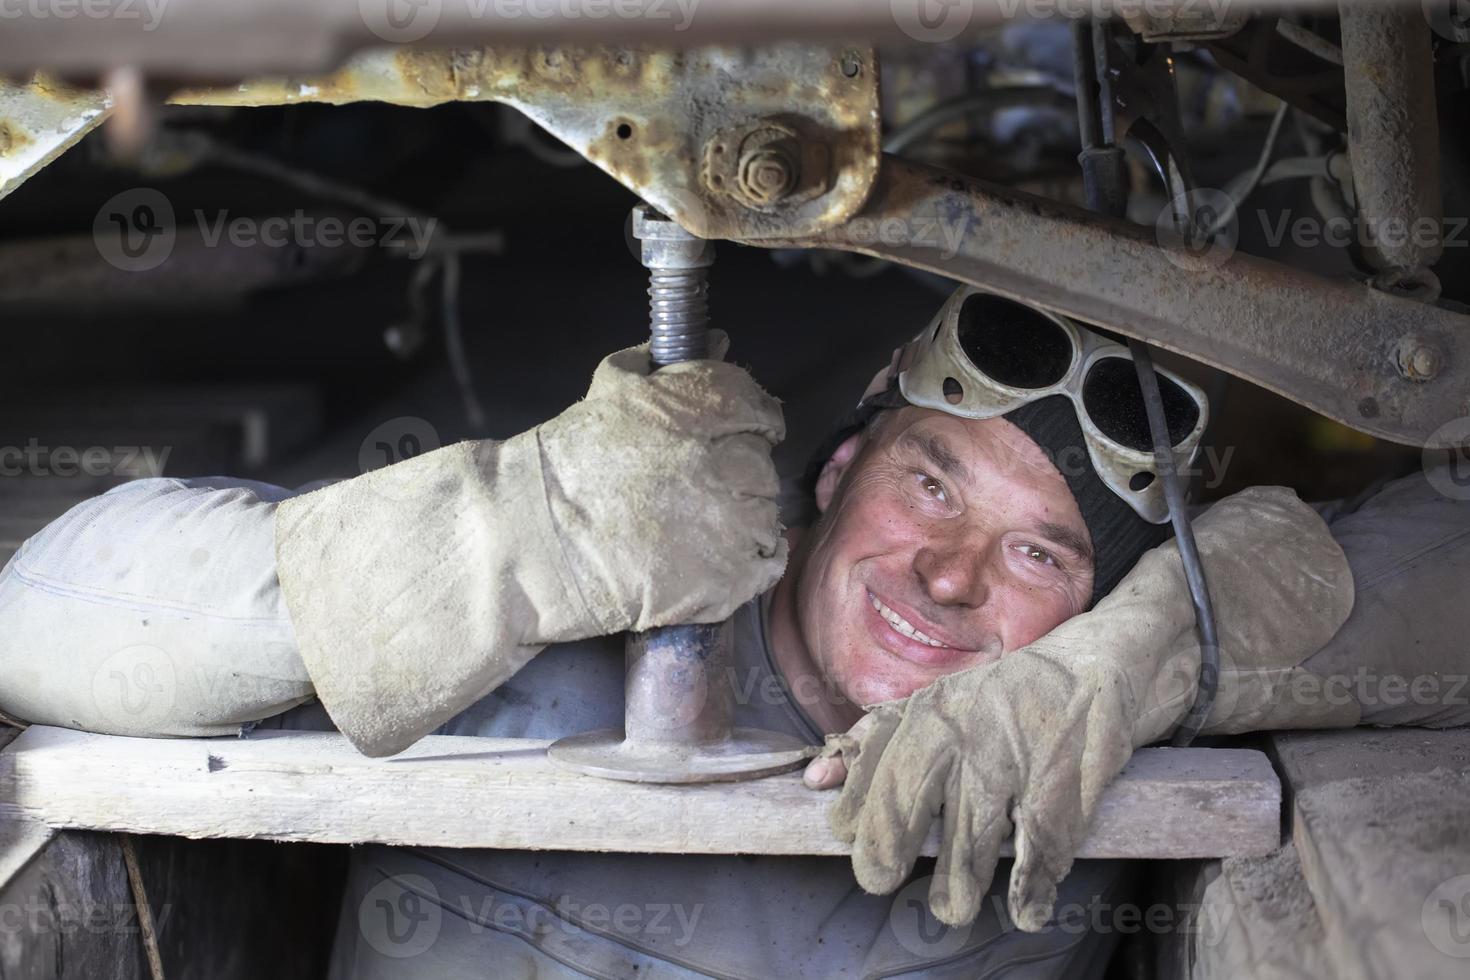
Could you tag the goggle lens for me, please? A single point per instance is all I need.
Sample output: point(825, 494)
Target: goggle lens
point(1114, 401)
point(1013, 344)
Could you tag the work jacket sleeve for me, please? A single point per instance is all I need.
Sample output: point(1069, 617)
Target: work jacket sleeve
point(151, 610)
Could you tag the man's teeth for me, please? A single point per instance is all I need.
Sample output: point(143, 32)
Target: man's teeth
point(901, 624)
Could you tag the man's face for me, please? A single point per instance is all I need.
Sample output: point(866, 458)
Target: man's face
point(943, 544)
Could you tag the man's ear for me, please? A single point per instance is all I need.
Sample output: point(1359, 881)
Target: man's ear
point(834, 469)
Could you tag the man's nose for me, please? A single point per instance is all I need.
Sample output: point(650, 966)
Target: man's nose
point(953, 572)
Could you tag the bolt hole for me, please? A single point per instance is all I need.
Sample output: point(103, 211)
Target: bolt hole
point(851, 66)
point(717, 180)
point(625, 131)
point(719, 147)
point(953, 393)
point(1140, 481)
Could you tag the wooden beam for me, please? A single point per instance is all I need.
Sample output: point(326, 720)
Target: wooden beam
point(503, 793)
point(1379, 819)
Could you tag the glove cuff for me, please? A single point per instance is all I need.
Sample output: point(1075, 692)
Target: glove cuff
point(416, 589)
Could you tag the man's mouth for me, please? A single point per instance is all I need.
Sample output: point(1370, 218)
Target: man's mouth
point(903, 625)
point(897, 634)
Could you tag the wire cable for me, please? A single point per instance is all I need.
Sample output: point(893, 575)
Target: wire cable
point(1194, 571)
point(1095, 111)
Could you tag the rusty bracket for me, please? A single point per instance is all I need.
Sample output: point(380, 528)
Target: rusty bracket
point(1339, 347)
point(39, 120)
point(731, 142)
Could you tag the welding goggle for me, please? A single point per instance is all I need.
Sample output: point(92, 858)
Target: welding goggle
point(984, 355)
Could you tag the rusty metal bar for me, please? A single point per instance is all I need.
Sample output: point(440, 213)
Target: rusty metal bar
point(1393, 134)
point(222, 40)
point(1335, 346)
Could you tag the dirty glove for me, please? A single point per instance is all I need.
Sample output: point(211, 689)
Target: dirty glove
point(417, 589)
point(1030, 741)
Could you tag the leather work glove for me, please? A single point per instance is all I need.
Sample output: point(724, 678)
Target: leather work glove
point(418, 588)
point(1030, 741)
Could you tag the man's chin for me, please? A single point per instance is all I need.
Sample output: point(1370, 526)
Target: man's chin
point(879, 676)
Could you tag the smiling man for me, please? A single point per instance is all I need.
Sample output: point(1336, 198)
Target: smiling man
point(943, 543)
point(977, 516)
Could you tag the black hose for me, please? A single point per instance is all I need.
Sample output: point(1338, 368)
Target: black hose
point(1104, 178)
point(1194, 571)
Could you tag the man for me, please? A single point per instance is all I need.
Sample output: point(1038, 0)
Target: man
point(954, 542)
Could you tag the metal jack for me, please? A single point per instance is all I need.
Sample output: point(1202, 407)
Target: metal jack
point(679, 691)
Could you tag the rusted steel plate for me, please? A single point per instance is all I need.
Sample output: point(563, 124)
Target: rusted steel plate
point(41, 119)
point(1334, 345)
point(687, 130)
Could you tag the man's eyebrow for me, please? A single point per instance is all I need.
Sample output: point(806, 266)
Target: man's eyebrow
point(1066, 537)
point(938, 452)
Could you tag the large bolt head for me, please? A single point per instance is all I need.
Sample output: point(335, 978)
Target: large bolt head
point(1419, 359)
point(769, 173)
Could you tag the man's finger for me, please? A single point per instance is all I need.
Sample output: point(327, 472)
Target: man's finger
point(967, 856)
point(824, 772)
point(862, 748)
point(830, 768)
point(1042, 860)
point(906, 794)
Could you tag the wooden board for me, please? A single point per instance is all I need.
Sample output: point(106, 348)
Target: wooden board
point(1381, 819)
point(504, 793)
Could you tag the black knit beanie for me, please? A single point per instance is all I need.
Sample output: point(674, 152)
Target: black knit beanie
point(1119, 535)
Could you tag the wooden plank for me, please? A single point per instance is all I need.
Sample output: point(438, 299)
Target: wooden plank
point(504, 793)
point(1379, 819)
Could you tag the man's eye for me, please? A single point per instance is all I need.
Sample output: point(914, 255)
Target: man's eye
point(931, 486)
point(1037, 554)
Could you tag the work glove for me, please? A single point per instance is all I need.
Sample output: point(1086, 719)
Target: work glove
point(1030, 741)
point(418, 588)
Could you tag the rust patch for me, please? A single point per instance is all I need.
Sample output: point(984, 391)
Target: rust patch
point(12, 138)
point(632, 149)
point(430, 73)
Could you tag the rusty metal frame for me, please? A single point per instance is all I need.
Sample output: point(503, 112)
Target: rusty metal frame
point(798, 125)
point(1333, 345)
point(731, 142)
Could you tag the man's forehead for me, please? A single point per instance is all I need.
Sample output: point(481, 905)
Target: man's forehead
point(996, 443)
point(992, 455)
